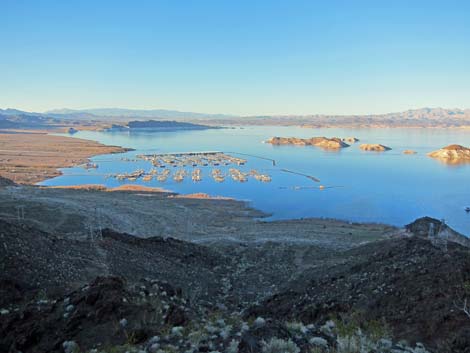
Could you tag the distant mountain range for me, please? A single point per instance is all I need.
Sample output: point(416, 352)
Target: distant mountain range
point(17, 119)
point(425, 117)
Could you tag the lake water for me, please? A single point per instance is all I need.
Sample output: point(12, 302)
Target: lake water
point(387, 187)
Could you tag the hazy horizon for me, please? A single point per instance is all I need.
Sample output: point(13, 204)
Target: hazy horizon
point(91, 111)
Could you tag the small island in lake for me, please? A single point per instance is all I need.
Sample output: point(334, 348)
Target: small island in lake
point(350, 139)
point(323, 142)
point(409, 152)
point(375, 147)
point(452, 154)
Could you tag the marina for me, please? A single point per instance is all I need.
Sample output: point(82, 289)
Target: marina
point(304, 182)
point(190, 163)
point(192, 159)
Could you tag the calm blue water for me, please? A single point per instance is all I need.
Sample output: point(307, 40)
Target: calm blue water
point(384, 187)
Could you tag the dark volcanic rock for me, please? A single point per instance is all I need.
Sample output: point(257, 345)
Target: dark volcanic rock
point(180, 291)
point(6, 182)
point(425, 227)
point(11, 291)
point(176, 316)
point(57, 264)
point(106, 312)
point(432, 228)
point(251, 340)
point(409, 284)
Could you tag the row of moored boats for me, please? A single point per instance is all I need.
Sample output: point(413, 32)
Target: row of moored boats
point(192, 159)
point(196, 175)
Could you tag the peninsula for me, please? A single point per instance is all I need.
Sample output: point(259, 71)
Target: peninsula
point(31, 157)
point(159, 125)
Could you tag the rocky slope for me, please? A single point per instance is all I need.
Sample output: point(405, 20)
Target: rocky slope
point(436, 231)
point(39, 260)
point(182, 297)
point(409, 285)
point(6, 182)
point(112, 315)
point(106, 313)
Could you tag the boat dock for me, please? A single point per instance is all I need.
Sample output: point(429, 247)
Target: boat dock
point(191, 159)
point(176, 165)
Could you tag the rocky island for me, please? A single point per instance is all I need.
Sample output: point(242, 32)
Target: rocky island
point(323, 142)
point(452, 154)
point(375, 147)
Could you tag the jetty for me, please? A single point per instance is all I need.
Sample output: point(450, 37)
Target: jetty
point(311, 177)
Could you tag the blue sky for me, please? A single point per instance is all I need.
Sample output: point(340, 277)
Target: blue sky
point(239, 57)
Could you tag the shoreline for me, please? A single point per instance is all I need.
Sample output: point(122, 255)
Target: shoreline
point(146, 214)
point(31, 157)
point(142, 189)
point(261, 216)
point(45, 172)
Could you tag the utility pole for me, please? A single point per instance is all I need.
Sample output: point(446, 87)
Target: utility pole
point(98, 221)
point(20, 212)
